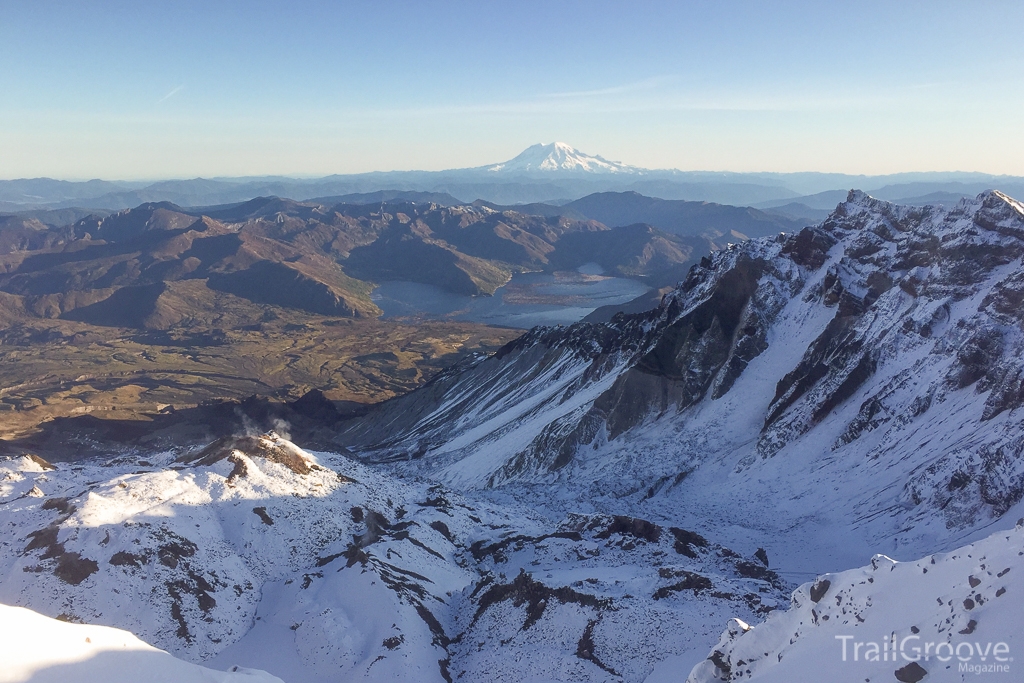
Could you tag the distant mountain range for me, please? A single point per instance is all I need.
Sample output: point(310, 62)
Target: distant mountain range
point(159, 265)
point(553, 173)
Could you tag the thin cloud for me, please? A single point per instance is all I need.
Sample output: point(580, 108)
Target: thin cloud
point(697, 102)
point(650, 96)
point(646, 84)
point(171, 94)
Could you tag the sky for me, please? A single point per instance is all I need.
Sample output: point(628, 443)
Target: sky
point(148, 90)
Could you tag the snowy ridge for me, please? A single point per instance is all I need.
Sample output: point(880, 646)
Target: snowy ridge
point(317, 568)
point(36, 648)
point(475, 420)
point(558, 157)
point(877, 355)
point(947, 617)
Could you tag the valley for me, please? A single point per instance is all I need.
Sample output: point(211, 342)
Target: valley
point(528, 300)
point(120, 324)
point(75, 390)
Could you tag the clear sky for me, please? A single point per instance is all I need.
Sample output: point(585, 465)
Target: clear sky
point(145, 89)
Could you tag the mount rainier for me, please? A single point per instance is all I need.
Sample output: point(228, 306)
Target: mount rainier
point(559, 157)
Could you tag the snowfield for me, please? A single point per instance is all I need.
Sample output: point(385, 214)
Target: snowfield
point(852, 389)
point(315, 567)
point(38, 649)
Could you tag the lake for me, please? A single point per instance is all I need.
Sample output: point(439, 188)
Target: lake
point(529, 299)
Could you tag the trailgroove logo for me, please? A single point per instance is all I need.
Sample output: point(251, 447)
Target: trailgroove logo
point(973, 657)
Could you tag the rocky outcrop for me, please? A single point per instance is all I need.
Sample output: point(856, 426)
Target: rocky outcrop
point(705, 348)
point(887, 620)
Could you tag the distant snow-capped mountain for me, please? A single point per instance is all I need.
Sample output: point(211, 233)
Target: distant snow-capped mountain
point(559, 157)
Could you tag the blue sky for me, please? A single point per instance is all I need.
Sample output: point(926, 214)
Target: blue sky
point(181, 89)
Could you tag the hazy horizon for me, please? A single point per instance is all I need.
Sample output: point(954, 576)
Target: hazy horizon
point(129, 91)
point(317, 176)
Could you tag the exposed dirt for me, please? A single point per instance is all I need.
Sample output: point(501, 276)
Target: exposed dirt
point(70, 567)
point(74, 569)
point(70, 390)
point(123, 558)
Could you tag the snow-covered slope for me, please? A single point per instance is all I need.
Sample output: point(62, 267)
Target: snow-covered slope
point(948, 617)
point(39, 649)
point(850, 389)
point(317, 568)
point(558, 157)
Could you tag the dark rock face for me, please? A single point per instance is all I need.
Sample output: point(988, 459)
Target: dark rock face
point(809, 248)
point(836, 347)
point(534, 596)
point(638, 528)
point(261, 512)
point(691, 582)
point(720, 335)
point(687, 542)
point(1007, 297)
point(1007, 391)
point(819, 589)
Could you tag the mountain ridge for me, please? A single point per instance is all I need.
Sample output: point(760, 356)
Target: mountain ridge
point(542, 173)
point(327, 258)
point(814, 325)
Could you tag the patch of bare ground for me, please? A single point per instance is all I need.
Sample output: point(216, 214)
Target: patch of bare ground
point(69, 389)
